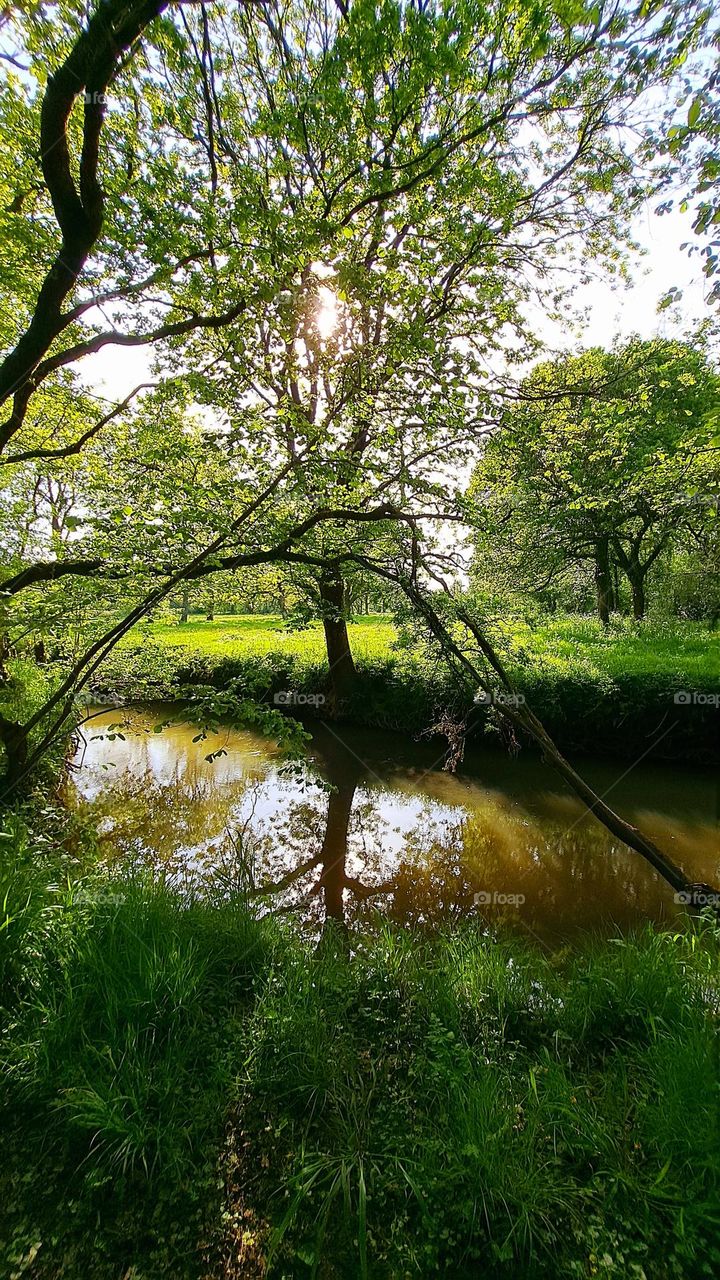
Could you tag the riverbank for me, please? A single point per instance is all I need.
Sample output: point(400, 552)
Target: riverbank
point(190, 1091)
point(633, 690)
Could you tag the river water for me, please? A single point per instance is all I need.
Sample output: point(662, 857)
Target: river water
point(371, 823)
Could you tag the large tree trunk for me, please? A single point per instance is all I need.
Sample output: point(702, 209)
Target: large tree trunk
point(603, 579)
point(636, 578)
point(636, 572)
point(184, 605)
point(341, 665)
point(638, 595)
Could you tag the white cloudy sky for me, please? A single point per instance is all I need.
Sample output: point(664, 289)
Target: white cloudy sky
point(664, 265)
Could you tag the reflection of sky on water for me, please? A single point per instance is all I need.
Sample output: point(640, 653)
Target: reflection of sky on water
point(368, 822)
point(381, 823)
point(168, 756)
point(278, 807)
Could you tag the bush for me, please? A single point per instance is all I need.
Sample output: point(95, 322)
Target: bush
point(604, 691)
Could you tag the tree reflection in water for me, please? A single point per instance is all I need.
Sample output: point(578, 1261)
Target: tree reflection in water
point(339, 841)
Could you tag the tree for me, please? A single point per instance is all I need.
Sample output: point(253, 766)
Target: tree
point(605, 459)
point(397, 93)
point(427, 281)
point(437, 160)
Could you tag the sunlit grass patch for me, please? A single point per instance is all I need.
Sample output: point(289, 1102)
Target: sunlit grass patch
point(565, 643)
point(246, 634)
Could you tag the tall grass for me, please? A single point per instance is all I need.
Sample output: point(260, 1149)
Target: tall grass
point(465, 1107)
point(189, 1091)
point(119, 1008)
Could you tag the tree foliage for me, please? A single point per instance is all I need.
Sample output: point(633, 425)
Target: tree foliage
point(607, 458)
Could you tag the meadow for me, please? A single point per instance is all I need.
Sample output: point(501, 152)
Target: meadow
point(250, 635)
point(567, 643)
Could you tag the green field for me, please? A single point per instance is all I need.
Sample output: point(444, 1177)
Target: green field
point(249, 634)
point(569, 644)
point(662, 648)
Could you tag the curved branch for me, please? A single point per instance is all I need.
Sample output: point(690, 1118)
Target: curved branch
point(68, 450)
point(90, 66)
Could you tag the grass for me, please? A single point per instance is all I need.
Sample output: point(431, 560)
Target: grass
point(120, 1006)
point(686, 650)
point(248, 634)
point(602, 691)
point(666, 648)
point(189, 1091)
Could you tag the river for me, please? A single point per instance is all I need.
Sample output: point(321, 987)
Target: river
point(371, 823)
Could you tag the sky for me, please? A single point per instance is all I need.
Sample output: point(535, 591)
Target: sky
point(665, 264)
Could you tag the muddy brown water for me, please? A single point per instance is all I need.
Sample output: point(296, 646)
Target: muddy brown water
point(371, 823)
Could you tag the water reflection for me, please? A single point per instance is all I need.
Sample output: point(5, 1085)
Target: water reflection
point(371, 822)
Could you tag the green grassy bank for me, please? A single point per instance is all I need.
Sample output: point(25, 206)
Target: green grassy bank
point(607, 692)
point(189, 1091)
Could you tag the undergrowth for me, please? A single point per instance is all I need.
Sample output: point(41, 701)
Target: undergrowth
point(189, 1091)
point(608, 692)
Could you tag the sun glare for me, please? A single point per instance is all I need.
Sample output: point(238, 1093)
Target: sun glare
point(327, 316)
